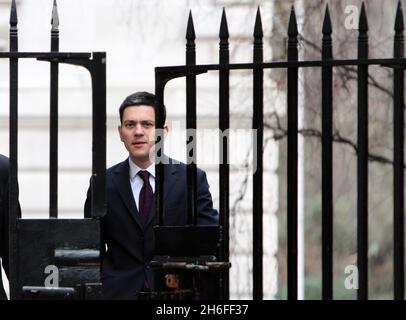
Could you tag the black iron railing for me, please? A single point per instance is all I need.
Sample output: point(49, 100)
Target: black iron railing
point(327, 64)
point(95, 63)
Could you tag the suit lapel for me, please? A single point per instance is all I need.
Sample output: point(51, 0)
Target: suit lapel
point(122, 182)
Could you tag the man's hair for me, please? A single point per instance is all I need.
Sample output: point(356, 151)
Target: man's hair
point(141, 98)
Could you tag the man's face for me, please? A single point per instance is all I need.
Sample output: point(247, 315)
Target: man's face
point(137, 131)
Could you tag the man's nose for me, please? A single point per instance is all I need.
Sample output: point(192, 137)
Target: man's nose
point(138, 131)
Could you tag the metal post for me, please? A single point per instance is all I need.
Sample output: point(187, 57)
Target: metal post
point(292, 157)
point(53, 119)
point(159, 152)
point(327, 161)
point(362, 171)
point(398, 160)
point(257, 189)
point(224, 168)
point(191, 124)
point(98, 72)
point(13, 174)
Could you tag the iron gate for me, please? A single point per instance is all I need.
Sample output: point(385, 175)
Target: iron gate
point(70, 245)
point(327, 63)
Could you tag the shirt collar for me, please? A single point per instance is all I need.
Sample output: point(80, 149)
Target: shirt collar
point(134, 169)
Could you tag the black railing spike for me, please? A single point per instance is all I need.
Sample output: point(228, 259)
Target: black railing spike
point(223, 26)
point(13, 14)
point(258, 33)
point(55, 16)
point(292, 28)
point(327, 29)
point(190, 30)
point(363, 20)
point(399, 25)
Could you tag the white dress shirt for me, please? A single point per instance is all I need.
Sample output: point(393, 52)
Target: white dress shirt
point(136, 181)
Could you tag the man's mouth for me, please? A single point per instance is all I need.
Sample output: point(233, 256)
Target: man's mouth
point(138, 143)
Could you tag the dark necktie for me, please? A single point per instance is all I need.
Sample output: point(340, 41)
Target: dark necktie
point(145, 199)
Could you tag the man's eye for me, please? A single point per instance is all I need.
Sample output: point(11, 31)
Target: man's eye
point(129, 125)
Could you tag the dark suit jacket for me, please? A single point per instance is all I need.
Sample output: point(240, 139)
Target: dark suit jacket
point(3, 219)
point(130, 245)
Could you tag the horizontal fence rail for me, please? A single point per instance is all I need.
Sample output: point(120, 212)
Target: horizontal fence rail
point(169, 73)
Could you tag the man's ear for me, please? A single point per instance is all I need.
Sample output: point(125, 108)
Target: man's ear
point(166, 130)
point(119, 132)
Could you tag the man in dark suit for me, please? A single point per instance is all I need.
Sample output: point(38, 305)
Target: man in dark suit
point(3, 219)
point(127, 228)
